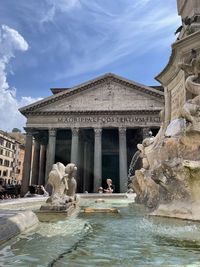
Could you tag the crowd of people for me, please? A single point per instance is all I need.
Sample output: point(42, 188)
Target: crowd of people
point(14, 191)
point(36, 191)
point(9, 191)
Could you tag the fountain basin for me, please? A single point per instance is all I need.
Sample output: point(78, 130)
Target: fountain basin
point(104, 239)
point(13, 223)
point(56, 213)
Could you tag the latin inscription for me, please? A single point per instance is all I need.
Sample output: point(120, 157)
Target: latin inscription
point(133, 119)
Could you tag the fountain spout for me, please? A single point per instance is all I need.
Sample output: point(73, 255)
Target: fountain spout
point(134, 160)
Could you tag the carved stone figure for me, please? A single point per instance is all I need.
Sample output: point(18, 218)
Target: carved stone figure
point(191, 108)
point(70, 171)
point(169, 181)
point(63, 183)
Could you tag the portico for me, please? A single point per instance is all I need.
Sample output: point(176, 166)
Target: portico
point(89, 125)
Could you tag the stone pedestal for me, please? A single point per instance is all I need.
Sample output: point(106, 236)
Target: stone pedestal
point(53, 213)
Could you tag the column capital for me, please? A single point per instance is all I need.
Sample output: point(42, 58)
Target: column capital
point(52, 132)
point(43, 140)
point(37, 137)
point(29, 131)
point(97, 131)
point(75, 131)
point(122, 130)
point(146, 132)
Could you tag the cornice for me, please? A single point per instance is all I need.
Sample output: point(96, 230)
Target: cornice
point(100, 112)
point(177, 48)
point(107, 78)
point(181, 6)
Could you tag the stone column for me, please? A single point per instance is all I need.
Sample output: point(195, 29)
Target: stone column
point(123, 176)
point(75, 146)
point(27, 162)
point(50, 152)
point(97, 159)
point(85, 165)
point(41, 180)
point(35, 166)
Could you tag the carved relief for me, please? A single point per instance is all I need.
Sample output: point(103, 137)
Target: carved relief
point(106, 96)
point(122, 131)
point(191, 109)
point(52, 132)
point(177, 91)
point(75, 131)
point(29, 131)
point(98, 132)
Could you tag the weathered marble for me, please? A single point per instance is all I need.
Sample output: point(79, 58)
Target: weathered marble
point(171, 160)
point(13, 223)
point(63, 199)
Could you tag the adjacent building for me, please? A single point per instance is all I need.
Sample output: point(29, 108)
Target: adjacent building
point(11, 159)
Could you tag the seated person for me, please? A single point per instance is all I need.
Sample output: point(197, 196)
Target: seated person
point(41, 191)
point(33, 193)
point(110, 187)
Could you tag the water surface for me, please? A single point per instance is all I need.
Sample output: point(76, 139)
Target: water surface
point(129, 238)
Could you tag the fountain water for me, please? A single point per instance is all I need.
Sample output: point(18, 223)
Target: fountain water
point(129, 238)
point(134, 160)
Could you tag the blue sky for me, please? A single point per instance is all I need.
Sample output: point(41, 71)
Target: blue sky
point(61, 43)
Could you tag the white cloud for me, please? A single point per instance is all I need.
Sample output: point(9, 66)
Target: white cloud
point(10, 42)
point(58, 6)
point(140, 27)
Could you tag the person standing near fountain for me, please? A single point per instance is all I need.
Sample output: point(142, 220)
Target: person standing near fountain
point(110, 187)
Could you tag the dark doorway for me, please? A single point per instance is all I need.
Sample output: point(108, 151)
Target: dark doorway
point(110, 170)
point(85, 174)
point(110, 157)
point(63, 147)
point(154, 131)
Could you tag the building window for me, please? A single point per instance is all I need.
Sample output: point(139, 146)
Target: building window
point(1, 161)
point(1, 141)
point(5, 173)
point(6, 163)
point(8, 144)
point(7, 154)
point(1, 151)
point(0, 172)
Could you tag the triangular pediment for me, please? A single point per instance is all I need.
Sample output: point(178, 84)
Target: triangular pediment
point(108, 92)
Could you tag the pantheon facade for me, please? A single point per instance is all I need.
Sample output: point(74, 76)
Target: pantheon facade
point(95, 125)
